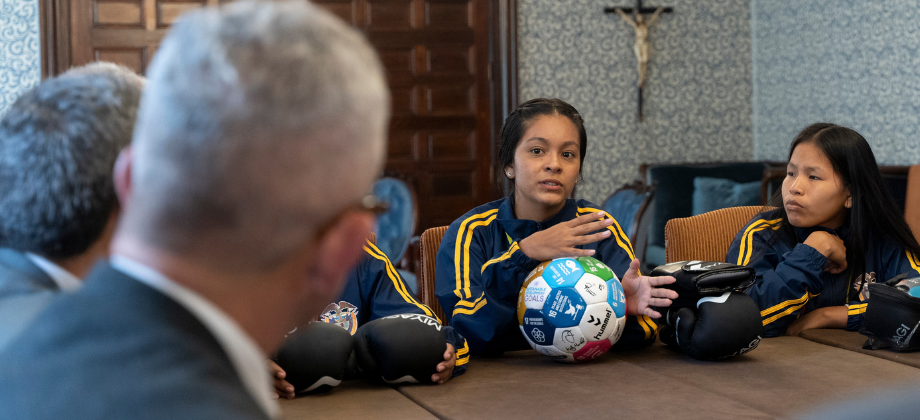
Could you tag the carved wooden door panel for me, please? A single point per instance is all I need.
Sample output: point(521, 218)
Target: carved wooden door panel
point(437, 58)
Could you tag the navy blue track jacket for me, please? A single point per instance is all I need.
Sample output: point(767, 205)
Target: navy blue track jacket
point(374, 290)
point(791, 280)
point(480, 270)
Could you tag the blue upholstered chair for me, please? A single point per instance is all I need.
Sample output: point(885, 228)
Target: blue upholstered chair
point(395, 227)
point(628, 206)
point(675, 190)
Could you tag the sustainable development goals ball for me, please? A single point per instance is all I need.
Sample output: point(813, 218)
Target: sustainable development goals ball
point(572, 309)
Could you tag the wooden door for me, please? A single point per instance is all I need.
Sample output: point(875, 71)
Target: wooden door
point(449, 63)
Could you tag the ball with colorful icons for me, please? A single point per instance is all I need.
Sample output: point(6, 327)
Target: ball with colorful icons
point(572, 309)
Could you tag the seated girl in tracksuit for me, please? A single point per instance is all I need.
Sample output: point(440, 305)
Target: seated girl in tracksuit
point(486, 254)
point(374, 290)
point(836, 229)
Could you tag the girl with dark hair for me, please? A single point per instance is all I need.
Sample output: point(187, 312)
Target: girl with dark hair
point(486, 254)
point(836, 229)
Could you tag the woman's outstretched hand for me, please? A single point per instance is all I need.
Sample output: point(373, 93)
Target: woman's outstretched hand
point(561, 240)
point(642, 292)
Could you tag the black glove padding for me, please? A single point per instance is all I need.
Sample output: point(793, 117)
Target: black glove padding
point(316, 357)
point(720, 327)
point(401, 348)
point(697, 279)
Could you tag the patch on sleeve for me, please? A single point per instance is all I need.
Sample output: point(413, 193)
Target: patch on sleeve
point(342, 314)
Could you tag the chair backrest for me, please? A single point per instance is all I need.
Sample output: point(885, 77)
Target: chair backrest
point(428, 252)
point(674, 194)
point(627, 204)
point(396, 226)
point(912, 200)
point(707, 236)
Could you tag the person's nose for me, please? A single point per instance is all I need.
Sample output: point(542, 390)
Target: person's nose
point(553, 164)
point(796, 187)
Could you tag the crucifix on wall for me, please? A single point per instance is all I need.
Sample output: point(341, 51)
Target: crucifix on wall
point(638, 22)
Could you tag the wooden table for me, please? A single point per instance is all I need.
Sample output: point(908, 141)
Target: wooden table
point(783, 377)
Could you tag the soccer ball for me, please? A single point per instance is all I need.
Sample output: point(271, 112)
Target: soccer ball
point(572, 309)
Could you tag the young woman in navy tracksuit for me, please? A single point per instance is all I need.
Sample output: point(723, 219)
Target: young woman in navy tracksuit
point(836, 229)
point(486, 254)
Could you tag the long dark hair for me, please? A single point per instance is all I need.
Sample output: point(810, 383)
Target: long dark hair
point(519, 121)
point(874, 213)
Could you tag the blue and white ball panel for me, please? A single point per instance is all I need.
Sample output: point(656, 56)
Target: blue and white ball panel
point(598, 322)
point(569, 340)
point(618, 330)
point(527, 337)
point(616, 298)
point(563, 272)
point(564, 307)
point(536, 294)
point(555, 354)
point(592, 288)
point(537, 328)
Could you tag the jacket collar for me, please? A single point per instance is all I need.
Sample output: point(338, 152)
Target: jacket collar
point(519, 229)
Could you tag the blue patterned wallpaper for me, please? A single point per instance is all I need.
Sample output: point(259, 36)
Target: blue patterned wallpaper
point(854, 63)
point(19, 49)
point(698, 93)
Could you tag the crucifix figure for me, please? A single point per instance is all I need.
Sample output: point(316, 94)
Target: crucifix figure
point(641, 47)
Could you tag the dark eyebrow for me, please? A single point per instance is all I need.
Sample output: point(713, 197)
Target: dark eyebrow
point(806, 168)
point(545, 141)
point(539, 139)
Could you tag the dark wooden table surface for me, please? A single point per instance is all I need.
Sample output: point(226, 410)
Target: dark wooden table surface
point(783, 377)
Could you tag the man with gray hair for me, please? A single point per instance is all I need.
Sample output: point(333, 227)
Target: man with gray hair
point(58, 145)
point(260, 131)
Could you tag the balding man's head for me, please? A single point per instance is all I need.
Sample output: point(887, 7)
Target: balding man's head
point(260, 121)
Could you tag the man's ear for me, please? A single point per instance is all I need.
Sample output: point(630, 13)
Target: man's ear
point(338, 251)
point(122, 176)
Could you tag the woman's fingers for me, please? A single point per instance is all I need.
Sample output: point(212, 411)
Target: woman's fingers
point(659, 302)
point(593, 226)
point(592, 238)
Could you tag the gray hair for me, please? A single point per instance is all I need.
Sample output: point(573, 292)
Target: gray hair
point(260, 121)
point(58, 145)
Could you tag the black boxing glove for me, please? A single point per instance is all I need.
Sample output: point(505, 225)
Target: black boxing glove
point(698, 279)
point(317, 356)
point(401, 348)
point(718, 328)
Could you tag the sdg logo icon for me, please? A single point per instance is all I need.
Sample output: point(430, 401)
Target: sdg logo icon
point(572, 309)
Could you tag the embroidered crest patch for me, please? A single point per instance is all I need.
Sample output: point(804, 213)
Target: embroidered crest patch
point(342, 314)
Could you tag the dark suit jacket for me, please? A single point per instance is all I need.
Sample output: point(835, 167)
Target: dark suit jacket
point(118, 349)
point(24, 291)
point(19, 275)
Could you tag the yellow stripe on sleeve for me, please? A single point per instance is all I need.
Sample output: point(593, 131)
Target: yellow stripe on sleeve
point(473, 303)
point(857, 309)
point(615, 229)
point(479, 303)
point(462, 360)
point(781, 305)
point(746, 248)
point(644, 325)
point(375, 252)
point(460, 251)
point(463, 355)
point(914, 262)
point(782, 314)
point(505, 256)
